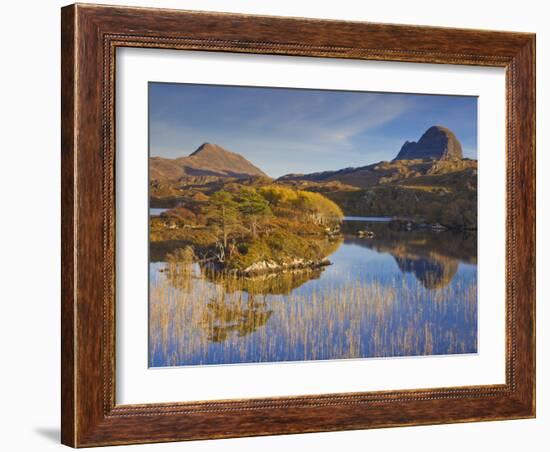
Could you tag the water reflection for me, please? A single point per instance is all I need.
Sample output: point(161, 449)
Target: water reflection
point(223, 319)
point(400, 293)
point(271, 283)
point(433, 257)
point(431, 273)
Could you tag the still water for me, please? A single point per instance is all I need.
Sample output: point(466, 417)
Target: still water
point(399, 293)
point(156, 211)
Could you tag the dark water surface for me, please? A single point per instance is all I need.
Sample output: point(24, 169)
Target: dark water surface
point(400, 293)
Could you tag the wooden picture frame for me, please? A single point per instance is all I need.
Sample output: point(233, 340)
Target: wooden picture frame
point(90, 36)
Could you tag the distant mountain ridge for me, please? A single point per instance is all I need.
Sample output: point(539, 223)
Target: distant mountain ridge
point(437, 152)
point(207, 160)
point(385, 172)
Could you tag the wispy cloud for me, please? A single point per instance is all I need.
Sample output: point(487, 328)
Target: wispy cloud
point(289, 130)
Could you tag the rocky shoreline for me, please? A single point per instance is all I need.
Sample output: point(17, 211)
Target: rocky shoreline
point(270, 267)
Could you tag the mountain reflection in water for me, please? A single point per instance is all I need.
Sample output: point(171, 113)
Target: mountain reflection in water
point(433, 257)
point(400, 293)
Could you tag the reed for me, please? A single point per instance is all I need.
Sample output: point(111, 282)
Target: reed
point(194, 321)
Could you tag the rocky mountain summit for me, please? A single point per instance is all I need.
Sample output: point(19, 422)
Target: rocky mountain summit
point(437, 143)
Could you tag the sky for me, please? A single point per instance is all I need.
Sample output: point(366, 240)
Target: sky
point(284, 130)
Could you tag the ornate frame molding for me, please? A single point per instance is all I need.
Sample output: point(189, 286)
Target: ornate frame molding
point(90, 36)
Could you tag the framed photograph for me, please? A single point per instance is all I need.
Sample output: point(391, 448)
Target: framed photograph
point(281, 225)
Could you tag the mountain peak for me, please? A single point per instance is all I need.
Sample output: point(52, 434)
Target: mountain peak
point(207, 147)
point(207, 160)
point(437, 143)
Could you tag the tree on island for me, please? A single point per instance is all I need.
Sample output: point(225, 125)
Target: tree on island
point(223, 216)
point(254, 209)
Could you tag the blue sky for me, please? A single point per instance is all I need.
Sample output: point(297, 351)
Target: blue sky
point(286, 131)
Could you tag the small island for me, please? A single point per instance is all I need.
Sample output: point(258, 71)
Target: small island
point(253, 228)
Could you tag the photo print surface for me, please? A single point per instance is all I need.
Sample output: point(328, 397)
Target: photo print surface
point(299, 224)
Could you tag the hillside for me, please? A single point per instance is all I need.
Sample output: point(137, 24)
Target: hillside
point(385, 172)
point(208, 160)
point(438, 185)
point(432, 192)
